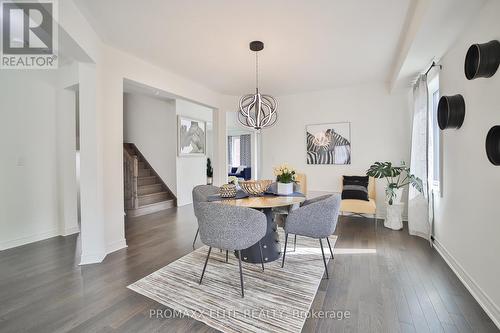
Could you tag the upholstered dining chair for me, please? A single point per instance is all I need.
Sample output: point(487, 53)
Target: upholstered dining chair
point(201, 194)
point(230, 228)
point(316, 218)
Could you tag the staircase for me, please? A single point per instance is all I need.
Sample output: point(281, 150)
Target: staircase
point(145, 192)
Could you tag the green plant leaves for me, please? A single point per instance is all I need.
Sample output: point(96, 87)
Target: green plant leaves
point(387, 170)
point(416, 182)
point(383, 170)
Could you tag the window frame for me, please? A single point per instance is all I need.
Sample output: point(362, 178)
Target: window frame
point(436, 182)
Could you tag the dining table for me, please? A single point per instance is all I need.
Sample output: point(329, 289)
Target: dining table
point(271, 247)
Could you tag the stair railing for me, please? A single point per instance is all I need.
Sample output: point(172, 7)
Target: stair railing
point(131, 173)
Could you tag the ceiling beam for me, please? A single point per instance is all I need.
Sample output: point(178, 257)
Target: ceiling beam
point(413, 23)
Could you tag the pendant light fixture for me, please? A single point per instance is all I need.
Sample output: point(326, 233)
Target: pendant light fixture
point(257, 111)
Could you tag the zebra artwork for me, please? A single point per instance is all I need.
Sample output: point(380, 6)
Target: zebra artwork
point(328, 144)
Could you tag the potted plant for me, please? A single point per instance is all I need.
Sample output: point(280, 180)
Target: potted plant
point(285, 176)
point(210, 172)
point(397, 178)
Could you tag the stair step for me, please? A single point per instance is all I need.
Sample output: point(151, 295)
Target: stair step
point(149, 189)
point(148, 180)
point(152, 198)
point(151, 208)
point(144, 172)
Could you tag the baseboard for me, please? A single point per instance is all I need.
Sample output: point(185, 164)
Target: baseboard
point(92, 258)
point(96, 258)
point(491, 309)
point(116, 245)
point(71, 231)
point(29, 239)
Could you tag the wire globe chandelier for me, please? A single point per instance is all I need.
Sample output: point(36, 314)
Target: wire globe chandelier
point(257, 111)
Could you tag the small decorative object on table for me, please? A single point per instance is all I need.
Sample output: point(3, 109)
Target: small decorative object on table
point(397, 177)
point(229, 190)
point(285, 176)
point(255, 187)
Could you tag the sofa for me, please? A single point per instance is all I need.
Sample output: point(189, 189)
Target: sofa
point(246, 173)
point(361, 206)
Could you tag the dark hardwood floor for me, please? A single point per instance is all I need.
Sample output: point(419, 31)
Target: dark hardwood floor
point(387, 280)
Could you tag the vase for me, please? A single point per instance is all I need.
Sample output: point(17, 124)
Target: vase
point(394, 218)
point(398, 196)
point(227, 191)
point(285, 188)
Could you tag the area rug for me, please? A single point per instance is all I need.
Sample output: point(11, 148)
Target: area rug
point(276, 300)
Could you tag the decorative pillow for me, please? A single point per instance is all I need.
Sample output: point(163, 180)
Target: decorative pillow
point(240, 169)
point(355, 187)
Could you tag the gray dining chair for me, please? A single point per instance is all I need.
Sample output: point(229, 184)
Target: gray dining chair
point(230, 228)
point(316, 218)
point(201, 194)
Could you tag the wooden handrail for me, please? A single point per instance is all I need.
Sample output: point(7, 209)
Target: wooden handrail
point(131, 173)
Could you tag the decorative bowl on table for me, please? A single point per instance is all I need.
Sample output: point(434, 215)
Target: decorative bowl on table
point(227, 191)
point(255, 187)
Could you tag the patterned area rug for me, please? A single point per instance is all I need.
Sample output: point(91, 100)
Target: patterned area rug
point(276, 300)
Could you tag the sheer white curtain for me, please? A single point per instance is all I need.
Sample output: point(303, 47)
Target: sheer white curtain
point(418, 203)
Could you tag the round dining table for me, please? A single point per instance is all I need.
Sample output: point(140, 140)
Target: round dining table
point(271, 248)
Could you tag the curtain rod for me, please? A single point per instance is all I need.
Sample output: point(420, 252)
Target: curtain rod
point(433, 65)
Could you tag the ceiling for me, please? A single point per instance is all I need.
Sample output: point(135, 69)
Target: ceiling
point(437, 26)
point(309, 45)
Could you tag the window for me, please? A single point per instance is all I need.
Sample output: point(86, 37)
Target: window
point(434, 150)
point(235, 151)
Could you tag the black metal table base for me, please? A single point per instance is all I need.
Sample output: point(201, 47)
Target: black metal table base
point(271, 247)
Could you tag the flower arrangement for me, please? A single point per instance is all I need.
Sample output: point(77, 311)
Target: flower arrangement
point(284, 174)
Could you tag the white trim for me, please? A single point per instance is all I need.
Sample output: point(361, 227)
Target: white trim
point(71, 231)
point(29, 239)
point(92, 258)
point(116, 245)
point(491, 309)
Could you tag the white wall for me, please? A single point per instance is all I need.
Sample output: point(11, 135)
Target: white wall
point(100, 78)
point(151, 124)
point(191, 171)
point(37, 176)
point(379, 132)
point(466, 217)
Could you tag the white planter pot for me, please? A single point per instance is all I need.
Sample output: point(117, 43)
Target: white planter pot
point(394, 218)
point(285, 188)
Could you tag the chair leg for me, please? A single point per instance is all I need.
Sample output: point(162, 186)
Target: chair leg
point(227, 255)
point(284, 251)
point(261, 256)
point(206, 261)
point(196, 236)
point(294, 243)
point(324, 259)
point(331, 252)
point(241, 274)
